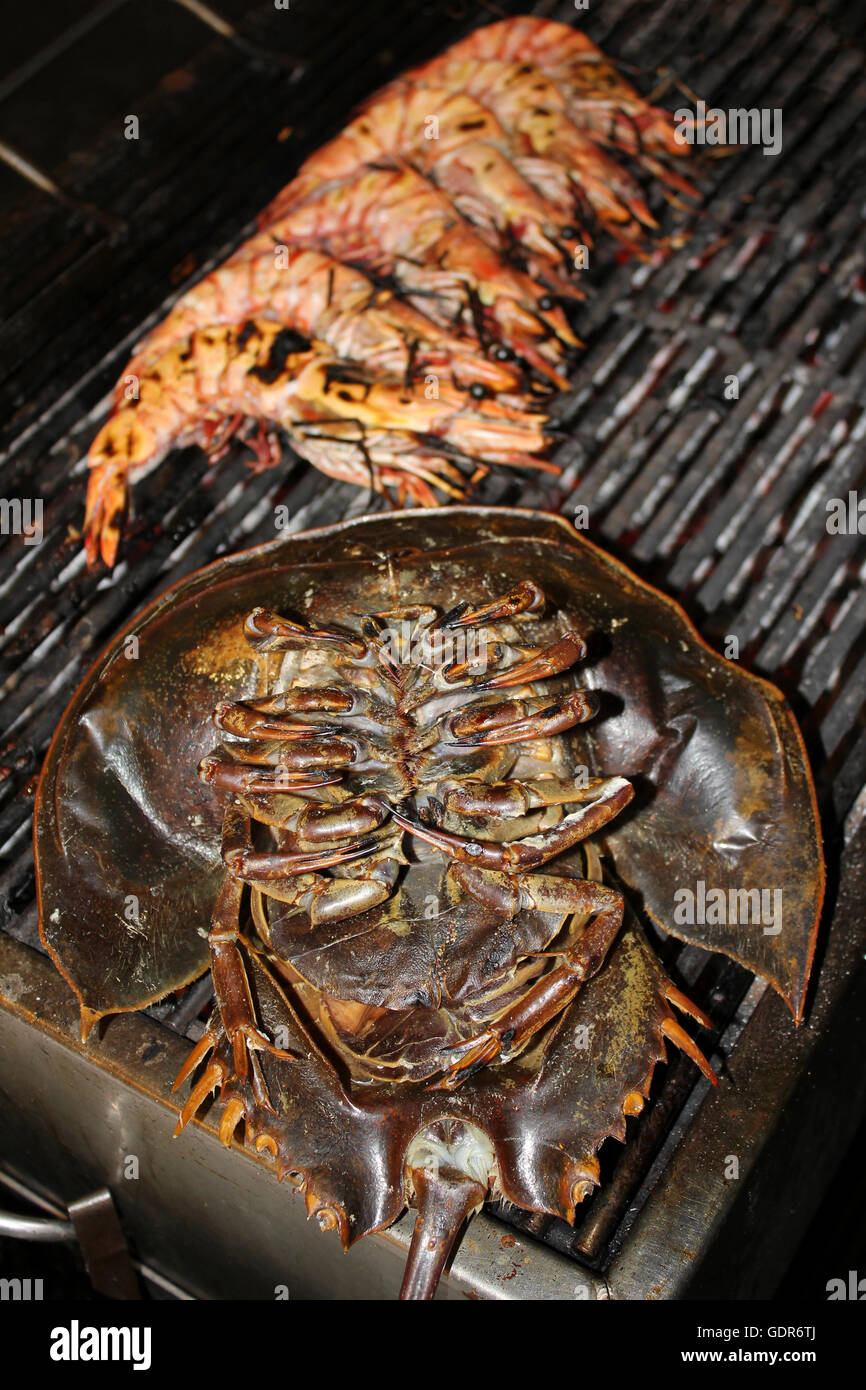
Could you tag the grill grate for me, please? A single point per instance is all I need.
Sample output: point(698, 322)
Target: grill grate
point(719, 501)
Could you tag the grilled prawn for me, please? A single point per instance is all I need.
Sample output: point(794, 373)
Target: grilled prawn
point(453, 139)
point(395, 222)
point(327, 302)
point(531, 105)
point(599, 99)
point(429, 243)
point(349, 423)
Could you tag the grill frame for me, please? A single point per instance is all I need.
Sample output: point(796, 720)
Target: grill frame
point(659, 337)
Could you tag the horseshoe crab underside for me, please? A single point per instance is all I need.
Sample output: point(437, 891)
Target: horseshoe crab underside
point(723, 797)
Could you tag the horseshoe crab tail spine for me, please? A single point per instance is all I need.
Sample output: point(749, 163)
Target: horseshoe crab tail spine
point(445, 1200)
point(450, 1167)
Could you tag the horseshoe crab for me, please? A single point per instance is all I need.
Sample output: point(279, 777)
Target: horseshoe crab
point(425, 988)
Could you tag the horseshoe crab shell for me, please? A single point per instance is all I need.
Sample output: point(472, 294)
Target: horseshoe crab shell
point(725, 800)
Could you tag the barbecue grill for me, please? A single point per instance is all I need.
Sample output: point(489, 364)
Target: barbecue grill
point(718, 406)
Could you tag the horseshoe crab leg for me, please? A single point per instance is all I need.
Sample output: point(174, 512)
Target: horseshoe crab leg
point(252, 719)
point(234, 1002)
point(238, 778)
point(302, 754)
point(612, 795)
point(551, 662)
point(321, 825)
point(316, 699)
point(242, 720)
point(249, 865)
point(268, 632)
point(545, 1000)
point(580, 960)
point(512, 799)
point(294, 876)
point(525, 597)
point(515, 720)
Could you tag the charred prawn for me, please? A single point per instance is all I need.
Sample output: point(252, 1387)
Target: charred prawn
point(427, 248)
